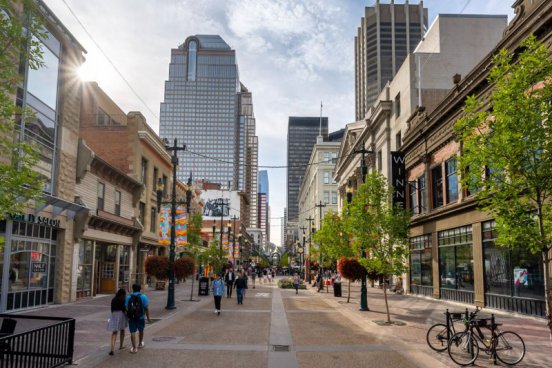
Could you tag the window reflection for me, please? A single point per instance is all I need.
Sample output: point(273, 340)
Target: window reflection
point(42, 82)
point(192, 52)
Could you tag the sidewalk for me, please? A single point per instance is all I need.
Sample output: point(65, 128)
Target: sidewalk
point(420, 313)
point(91, 316)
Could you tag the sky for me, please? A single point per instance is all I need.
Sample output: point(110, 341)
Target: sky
point(292, 54)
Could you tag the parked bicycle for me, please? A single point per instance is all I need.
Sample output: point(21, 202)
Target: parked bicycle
point(439, 334)
point(507, 346)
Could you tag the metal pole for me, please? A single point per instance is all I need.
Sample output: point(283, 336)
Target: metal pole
point(170, 297)
point(363, 289)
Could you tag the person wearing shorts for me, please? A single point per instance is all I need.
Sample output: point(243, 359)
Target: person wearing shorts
point(138, 324)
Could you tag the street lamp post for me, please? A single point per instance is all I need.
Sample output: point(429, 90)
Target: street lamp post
point(363, 289)
point(174, 161)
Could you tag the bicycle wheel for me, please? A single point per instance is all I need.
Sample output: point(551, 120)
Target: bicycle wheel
point(463, 348)
point(437, 337)
point(510, 348)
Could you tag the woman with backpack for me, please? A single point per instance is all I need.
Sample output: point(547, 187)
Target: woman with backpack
point(118, 321)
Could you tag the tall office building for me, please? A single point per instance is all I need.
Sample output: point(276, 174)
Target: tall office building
point(263, 207)
point(301, 138)
point(208, 109)
point(387, 34)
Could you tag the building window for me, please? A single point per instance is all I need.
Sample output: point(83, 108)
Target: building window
point(165, 184)
point(437, 186)
point(101, 196)
point(398, 105)
point(412, 191)
point(153, 219)
point(334, 197)
point(326, 197)
point(102, 119)
point(398, 141)
point(326, 177)
point(421, 260)
point(118, 203)
point(142, 214)
point(155, 176)
point(421, 194)
point(334, 157)
point(380, 160)
point(326, 156)
point(456, 258)
point(452, 180)
point(510, 271)
point(192, 60)
point(144, 171)
point(124, 266)
point(84, 269)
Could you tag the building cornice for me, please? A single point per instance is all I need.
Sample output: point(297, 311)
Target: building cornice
point(154, 143)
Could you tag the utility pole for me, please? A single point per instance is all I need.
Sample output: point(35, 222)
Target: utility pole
point(234, 218)
point(320, 206)
point(307, 275)
point(363, 289)
point(302, 253)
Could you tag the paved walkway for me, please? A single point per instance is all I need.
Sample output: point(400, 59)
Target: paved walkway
point(277, 329)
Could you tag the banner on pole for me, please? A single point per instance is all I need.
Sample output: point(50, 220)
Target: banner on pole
point(181, 228)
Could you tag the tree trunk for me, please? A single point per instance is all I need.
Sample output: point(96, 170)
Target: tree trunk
point(192, 291)
point(547, 289)
point(386, 303)
point(349, 296)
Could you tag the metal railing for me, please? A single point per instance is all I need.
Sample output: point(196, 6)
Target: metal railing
point(529, 306)
point(457, 295)
point(422, 290)
point(45, 347)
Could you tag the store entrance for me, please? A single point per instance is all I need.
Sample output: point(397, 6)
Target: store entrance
point(105, 268)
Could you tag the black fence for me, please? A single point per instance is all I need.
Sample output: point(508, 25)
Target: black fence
point(533, 307)
point(422, 290)
point(457, 295)
point(43, 347)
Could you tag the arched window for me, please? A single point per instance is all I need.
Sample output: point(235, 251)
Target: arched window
point(192, 53)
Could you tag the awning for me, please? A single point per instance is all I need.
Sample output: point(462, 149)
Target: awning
point(59, 206)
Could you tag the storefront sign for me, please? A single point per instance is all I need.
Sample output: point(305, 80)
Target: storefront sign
point(27, 217)
point(398, 179)
point(39, 267)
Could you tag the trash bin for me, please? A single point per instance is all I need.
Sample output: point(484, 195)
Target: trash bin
point(337, 289)
point(203, 286)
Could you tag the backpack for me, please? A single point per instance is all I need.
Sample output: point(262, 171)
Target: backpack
point(135, 308)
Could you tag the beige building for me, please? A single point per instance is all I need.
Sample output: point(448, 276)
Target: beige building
point(318, 188)
point(39, 244)
point(106, 255)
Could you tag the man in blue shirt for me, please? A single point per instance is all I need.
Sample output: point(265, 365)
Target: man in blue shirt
point(136, 305)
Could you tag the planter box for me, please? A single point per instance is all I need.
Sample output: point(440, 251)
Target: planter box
point(160, 285)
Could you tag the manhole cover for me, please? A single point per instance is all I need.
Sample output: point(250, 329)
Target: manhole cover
point(164, 338)
point(280, 347)
point(382, 322)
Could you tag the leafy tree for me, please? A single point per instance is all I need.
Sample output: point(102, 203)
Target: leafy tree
point(380, 229)
point(333, 238)
point(17, 158)
point(507, 152)
point(352, 270)
point(214, 256)
point(284, 261)
point(157, 266)
point(184, 267)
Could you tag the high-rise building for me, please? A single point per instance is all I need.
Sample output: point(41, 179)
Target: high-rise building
point(263, 184)
point(263, 207)
point(387, 34)
point(301, 138)
point(208, 109)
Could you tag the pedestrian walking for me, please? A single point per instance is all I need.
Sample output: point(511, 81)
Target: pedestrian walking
point(218, 291)
point(118, 321)
point(253, 276)
point(137, 306)
point(265, 277)
point(229, 278)
point(273, 274)
point(269, 275)
point(296, 282)
point(319, 281)
point(241, 283)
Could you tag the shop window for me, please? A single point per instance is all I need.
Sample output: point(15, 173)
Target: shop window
point(511, 271)
point(456, 258)
point(452, 180)
point(84, 270)
point(124, 267)
point(437, 186)
point(421, 261)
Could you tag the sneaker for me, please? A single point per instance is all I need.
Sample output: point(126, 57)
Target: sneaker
point(111, 352)
point(133, 350)
point(218, 313)
point(141, 345)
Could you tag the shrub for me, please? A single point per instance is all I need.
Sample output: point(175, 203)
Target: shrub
point(184, 267)
point(288, 284)
point(157, 266)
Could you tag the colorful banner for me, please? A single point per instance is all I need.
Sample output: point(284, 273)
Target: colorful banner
point(181, 228)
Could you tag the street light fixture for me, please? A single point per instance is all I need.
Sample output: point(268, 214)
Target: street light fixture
point(173, 202)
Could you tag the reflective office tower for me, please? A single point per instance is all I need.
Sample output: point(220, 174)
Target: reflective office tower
point(387, 34)
point(302, 133)
point(264, 209)
point(248, 149)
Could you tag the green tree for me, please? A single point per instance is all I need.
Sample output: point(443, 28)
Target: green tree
point(20, 182)
point(333, 238)
point(284, 261)
point(213, 256)
point(507, 152)
point(380, 229)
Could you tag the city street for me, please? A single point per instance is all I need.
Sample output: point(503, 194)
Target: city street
point(318, 329)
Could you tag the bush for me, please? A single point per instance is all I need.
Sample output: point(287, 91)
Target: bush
point(288, 284)
point(184, 267)
point(157, 266)
point(350, 268)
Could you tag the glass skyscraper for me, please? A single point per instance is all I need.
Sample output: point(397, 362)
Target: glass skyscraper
point(201, 110)
point(387, 34)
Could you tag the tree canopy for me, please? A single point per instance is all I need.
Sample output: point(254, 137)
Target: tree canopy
point(333, 238)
